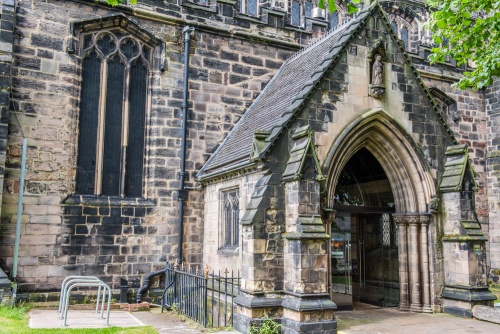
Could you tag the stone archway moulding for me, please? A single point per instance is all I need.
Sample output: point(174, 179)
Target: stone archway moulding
point(408, 171)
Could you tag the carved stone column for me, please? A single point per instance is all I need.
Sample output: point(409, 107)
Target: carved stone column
point(424, 264)
point(413, 252)
point(404, 304)
point(415, 302)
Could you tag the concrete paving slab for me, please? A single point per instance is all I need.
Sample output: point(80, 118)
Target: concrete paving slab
point(81, 319)
point(167, 323)
point(374, 320)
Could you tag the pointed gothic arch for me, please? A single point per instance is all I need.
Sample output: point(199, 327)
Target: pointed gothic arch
point(407, 170)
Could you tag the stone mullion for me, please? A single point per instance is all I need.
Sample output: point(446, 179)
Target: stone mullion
point(100, 132)
point(403, 264)
point(424, 264)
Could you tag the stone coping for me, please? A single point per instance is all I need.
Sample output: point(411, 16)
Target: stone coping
point(486, 313)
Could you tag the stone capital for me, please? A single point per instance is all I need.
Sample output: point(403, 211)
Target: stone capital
point(411, 218)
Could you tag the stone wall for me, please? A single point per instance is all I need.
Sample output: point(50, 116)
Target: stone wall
point(233, 56)
point(216, 258)
point(7, 22)
point(63, 233)
point(492, 169)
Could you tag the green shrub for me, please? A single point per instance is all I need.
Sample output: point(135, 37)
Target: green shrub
point(267, 326)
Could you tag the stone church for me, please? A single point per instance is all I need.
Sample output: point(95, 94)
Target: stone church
point(320, 154)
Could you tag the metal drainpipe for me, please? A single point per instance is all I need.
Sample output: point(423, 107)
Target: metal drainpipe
point(182, 194)
point(18, 221)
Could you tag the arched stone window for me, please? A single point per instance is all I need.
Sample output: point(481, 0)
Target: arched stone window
point(447, 105)
point(116, 67)
point(229, 223)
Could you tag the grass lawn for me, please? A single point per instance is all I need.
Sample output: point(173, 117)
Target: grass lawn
point(15, 320)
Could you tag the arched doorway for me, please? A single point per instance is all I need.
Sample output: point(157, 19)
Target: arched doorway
point(376, 137)
point(364, 254)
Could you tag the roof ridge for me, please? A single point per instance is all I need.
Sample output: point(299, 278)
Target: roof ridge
point(316, 41)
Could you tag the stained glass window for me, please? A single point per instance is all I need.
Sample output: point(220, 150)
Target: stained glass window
point(251, 7)
point(395, 27)
point(229, 232)
point(404, 36)
point(295, 13)
point(111, 132)
point(386, 229)
point(308, 9)
point(334, 20)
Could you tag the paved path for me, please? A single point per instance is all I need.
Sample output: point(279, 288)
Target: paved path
point(167, 323)
point(373, 320)
point(81, 319)
point(365, 320)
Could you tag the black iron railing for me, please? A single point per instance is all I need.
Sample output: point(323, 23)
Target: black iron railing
point(203, 297)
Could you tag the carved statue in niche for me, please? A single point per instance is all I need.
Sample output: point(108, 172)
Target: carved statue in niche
point(377, 89)
point(378, 71)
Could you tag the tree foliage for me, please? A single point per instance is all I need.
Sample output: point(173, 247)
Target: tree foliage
point(332, 6)
point(468, 30)
point(119, 2)
point(465, 30)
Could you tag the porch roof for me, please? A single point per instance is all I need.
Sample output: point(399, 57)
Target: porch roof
point(282, 97)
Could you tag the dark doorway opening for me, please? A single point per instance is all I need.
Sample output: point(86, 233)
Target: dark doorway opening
point(364, 253)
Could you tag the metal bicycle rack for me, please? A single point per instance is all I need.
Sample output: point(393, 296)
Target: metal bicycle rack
point(71, 282)
point(62, 298)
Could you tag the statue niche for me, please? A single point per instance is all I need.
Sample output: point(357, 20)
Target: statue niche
point(377, 87)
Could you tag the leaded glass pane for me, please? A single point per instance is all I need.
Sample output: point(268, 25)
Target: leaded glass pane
point(404, 37)
point(136, 130)
point(106, 44)
point(334, 20)
point(146, 52)
point(87, 41)
point(295, 13)
point(230, 225)
point(308, 9)
point(129, 48)
point(88, 124)
point(113, 128)
point(394, 234)
point(395, 27)
point(386, 229)
point(252, 7)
